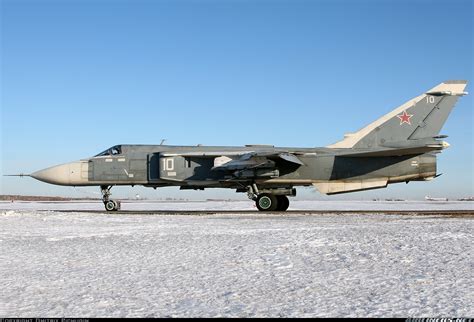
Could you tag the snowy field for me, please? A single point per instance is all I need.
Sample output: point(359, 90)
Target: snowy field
point(241, 205)
point(55, 264)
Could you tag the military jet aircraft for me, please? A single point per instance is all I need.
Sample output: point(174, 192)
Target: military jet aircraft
point(400, 146)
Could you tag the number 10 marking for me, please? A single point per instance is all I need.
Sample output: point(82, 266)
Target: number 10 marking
point(168, 164)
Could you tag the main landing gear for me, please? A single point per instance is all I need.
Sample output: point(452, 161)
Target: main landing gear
point(270, 199)
point(110, 205)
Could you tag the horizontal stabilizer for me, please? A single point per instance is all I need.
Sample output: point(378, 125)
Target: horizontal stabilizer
point(391, 152)
point(398, 149)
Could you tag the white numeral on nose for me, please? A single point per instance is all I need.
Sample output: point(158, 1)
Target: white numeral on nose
point(168, 164)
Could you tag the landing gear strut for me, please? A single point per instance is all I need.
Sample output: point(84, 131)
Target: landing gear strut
point(110, 205)
point(270, 199)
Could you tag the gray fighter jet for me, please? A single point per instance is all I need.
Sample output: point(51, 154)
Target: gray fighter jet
point(401, 146)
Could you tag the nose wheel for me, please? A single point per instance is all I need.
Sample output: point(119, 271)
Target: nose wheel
point(110, 205)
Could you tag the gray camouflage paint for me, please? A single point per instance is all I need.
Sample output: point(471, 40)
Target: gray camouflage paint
point(398, 147)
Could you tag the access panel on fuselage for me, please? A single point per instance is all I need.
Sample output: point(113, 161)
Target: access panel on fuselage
point(109, 169)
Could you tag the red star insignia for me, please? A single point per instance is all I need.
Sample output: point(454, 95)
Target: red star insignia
point(405, 118)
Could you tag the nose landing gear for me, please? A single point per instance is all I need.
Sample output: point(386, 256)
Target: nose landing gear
point(110, 205)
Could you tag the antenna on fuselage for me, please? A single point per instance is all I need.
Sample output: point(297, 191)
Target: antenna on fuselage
point(162, 141)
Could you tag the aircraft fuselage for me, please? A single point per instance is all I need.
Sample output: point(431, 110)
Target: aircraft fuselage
point(400, 146)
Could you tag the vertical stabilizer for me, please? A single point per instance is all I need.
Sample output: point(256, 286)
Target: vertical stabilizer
point(419, 118)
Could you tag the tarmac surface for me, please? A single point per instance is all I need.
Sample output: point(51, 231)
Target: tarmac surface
point(450, 213)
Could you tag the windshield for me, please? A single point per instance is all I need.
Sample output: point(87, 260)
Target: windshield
point(115, 150)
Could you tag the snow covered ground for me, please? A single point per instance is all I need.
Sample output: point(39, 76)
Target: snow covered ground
point(243, 205)
point(55, 264)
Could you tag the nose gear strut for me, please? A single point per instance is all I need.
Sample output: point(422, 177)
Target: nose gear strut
point(110, 205)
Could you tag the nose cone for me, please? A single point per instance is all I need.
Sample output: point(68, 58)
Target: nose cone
point(68, 174)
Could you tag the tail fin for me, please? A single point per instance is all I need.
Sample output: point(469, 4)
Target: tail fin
point(420, 118)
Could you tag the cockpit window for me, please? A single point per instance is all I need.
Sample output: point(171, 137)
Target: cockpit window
point(115, 150)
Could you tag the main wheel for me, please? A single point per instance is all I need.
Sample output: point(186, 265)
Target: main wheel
point(283, 203)
point(267, 202)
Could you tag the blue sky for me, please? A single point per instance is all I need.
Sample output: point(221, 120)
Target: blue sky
point(80, 76)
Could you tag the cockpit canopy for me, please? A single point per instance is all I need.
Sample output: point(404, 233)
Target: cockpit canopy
point(115, 150)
